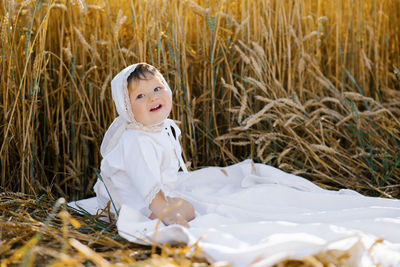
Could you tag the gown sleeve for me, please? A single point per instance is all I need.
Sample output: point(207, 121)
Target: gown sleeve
point(137, 157)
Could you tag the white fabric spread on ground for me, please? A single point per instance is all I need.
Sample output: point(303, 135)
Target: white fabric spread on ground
point(254, 213)
point(245, 213)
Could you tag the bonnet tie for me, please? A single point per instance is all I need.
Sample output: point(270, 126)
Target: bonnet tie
point(175, 142)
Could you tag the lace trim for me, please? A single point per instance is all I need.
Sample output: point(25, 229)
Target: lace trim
point(151, 195)
point(124, 86)
point(152, 128)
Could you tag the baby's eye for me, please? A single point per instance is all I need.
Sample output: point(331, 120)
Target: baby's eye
point(140, 96)
point(157, 89)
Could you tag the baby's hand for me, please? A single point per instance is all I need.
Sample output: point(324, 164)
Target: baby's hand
point(177, 211)
point(171, 210)
point(182, 207)
point(175, 218)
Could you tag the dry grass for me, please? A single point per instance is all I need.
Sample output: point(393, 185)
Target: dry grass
point(45, 232)
point(309, 86)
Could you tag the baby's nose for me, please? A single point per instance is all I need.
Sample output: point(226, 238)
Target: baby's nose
point(153, 96)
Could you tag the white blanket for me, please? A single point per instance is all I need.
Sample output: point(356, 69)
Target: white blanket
point(254, 214)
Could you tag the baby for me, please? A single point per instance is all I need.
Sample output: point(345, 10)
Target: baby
point(141, 151)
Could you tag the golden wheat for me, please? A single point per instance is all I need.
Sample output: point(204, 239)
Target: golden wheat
point(308, 85)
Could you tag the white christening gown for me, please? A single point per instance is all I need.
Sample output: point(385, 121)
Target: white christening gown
point(246, 214)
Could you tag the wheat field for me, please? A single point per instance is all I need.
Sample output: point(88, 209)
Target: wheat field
point(309, 86)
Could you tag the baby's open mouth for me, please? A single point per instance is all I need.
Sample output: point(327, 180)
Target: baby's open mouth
point(156, 107)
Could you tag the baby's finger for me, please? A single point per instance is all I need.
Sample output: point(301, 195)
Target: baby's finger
point(181, 220)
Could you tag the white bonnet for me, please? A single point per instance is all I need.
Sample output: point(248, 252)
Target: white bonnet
point(125, 119)
point(120, 94)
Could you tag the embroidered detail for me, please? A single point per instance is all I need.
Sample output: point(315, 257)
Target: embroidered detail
point(138, 126)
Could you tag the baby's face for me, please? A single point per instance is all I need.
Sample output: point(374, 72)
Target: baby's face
point(151, 101)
